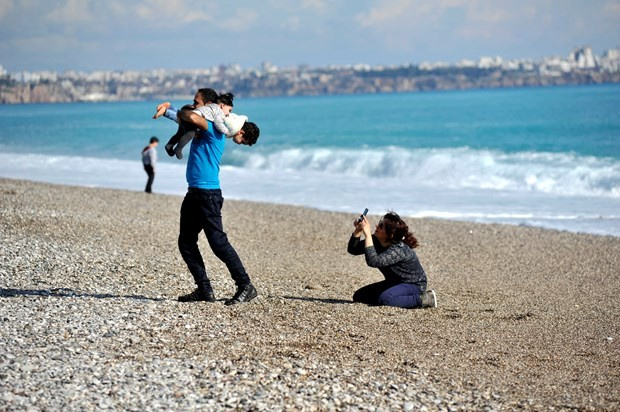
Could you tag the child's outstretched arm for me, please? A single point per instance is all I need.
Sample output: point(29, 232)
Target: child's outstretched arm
point(161, 109)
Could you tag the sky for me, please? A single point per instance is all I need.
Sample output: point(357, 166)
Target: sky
point(90, 35)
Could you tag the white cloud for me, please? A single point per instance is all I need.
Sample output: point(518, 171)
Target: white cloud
point(293, 23)
point(488, 15)
point(162, 13)
point(5, 7)
point(242, 20)
point(71, 12)
point(613, 8)
point(412, 21)
point(49, 44)
point(402, 24)
point(315, 31)
point(392, 14)
point(398, 14)
point(177, 12)
point(318, 5)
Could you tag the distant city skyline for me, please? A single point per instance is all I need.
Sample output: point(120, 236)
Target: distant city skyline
point(89, 35)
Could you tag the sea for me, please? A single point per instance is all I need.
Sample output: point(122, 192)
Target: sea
point(543, 157)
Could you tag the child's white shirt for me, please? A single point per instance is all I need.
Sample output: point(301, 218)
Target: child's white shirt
point(213, 113)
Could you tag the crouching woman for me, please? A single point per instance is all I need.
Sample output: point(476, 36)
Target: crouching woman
point(390, 249)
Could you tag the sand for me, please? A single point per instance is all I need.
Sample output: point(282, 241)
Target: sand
point(527, 317)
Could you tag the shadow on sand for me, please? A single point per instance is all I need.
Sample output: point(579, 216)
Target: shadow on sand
point(68, 293)
point(333, 301)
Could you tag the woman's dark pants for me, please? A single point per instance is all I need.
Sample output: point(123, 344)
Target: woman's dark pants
point(201, 210)
point(384, 293)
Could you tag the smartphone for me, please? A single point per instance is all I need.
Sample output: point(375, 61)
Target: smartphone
point(362, 216)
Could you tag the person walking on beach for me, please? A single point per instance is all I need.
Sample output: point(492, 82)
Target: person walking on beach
point(390, 249)
point(149, 158)
point(202, 205)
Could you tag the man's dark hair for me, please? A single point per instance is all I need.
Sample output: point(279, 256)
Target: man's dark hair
point(250, 133)
point(226, 98)
point(154, 139)
point(208, 95)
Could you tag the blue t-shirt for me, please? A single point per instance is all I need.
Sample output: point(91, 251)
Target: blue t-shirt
point(205, 154)
point(203, 163)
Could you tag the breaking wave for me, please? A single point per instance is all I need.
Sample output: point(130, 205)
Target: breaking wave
point(553, 173)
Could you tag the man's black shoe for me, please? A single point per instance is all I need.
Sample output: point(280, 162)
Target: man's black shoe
point(198, 296)
point(244, 294)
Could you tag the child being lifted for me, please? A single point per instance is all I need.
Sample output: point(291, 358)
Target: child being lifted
point(217, 110)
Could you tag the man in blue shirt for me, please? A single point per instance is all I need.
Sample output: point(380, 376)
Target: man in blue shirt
point(201, 209)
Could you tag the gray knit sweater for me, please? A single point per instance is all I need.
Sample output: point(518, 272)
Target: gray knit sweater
point(398, 262)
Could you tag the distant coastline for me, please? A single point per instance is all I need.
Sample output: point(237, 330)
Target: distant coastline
point(580, 67)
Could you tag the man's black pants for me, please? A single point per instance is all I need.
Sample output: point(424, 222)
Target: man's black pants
point(151, 173)
point(201, 210)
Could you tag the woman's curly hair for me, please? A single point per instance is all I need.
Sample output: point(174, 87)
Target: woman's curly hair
point(397, 230)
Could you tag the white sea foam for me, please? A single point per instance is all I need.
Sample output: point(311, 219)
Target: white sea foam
point(433, 190)
point(553, 173)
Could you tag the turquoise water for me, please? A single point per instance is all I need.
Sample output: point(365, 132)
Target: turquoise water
point(536, 156)
point(580, 120)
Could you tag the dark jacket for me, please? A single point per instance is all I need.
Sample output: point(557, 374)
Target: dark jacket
point(398, 262)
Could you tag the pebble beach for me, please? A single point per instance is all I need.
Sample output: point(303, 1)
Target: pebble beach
point(89, 318)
